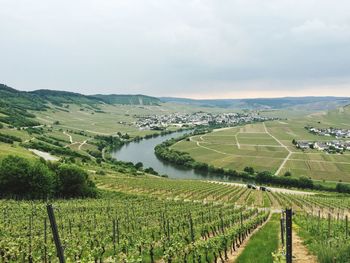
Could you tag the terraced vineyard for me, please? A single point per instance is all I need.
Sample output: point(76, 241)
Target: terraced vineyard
point(225, 192)
point(126, 228)
point(149, 219)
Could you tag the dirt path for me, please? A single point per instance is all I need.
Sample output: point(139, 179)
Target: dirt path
point(273, 189)
point(70, 137)
point(82, 144)
point(300, 252)
point(284, 146)
point(232, 257)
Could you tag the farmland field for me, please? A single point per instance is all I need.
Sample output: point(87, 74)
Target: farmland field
point(268, 146)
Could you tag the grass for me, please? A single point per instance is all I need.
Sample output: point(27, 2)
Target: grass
point(262, 244)
point(15, 149)
point(250, 145)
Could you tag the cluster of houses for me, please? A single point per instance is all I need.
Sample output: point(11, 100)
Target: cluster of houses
point(158, 122)
point(334, 146)
point(335, 132)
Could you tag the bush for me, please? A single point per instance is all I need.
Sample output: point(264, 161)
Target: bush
point(249, 170)
point(73, 182)
point(288, 173)
point(343, 188)
point(22, 178)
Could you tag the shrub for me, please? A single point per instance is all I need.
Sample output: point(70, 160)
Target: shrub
point(249, 170)
point(288, 173)
point(23, 178)
point(73, 182)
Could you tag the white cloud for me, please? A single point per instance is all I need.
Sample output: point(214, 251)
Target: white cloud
point(175, 46)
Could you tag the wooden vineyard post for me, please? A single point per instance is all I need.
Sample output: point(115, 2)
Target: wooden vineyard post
point(45, 240)
point(346, 227)
point(289, 235)
point(329, 225)
point(56, 237)
point(114, 247)
point(282, 230)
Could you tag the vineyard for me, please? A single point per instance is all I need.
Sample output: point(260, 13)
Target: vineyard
point(227, 193)
point(126, 228)
point(148, 219)
point(326, 234)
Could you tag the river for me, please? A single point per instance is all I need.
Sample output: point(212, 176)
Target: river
point(143, 151)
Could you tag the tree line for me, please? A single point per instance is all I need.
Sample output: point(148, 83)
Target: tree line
point(37, 179)
point(164, 152)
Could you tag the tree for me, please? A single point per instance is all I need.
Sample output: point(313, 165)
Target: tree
point(74, 182)
point(264, 177)
point(343, 188)
point(249, 170)
point(139, 165)
point(305, 182)
point(26, 179)
point(288, 173)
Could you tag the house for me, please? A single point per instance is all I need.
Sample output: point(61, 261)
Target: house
point(321, 146)
point(303, 145)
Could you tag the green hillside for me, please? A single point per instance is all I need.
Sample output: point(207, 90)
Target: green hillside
point(129, 99)
point(61, 97)
point(15, 105)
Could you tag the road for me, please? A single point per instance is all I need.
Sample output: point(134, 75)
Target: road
point(289, 151)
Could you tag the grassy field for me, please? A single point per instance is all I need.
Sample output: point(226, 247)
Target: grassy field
point(269, 147)
point(262, 243)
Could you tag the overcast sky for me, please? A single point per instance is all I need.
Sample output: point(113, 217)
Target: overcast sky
point(183, 48)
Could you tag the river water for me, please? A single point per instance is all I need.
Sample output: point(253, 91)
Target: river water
point(143, 151)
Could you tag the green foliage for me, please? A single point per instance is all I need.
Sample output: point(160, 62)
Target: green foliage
point(288, 173)
point(9, 138)
point(249, 170)
point(53, 149)
point(326, 236)
point(23, 178)
point(343, 188)
point(111, 142)
point(73, 182)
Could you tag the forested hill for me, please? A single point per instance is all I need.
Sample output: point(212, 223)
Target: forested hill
point(40, 98)
point(15, 105)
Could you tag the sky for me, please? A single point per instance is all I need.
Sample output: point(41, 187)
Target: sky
point(179, 48)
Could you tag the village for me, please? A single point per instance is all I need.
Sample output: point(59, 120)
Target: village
point(335, 146)
point(335, 132)
point(159, 122)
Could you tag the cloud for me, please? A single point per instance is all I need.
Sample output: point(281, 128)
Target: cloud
point(176, 47)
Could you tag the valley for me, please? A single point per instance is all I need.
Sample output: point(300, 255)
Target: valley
point(150, 210)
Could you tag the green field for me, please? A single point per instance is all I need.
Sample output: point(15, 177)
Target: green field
point(271, 149)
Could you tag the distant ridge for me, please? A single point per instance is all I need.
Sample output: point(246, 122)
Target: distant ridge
point(128, 99)
point(311, 103)
point(57, 97)
point(15, 105)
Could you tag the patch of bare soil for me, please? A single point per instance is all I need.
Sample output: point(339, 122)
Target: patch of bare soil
point(300, 253)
